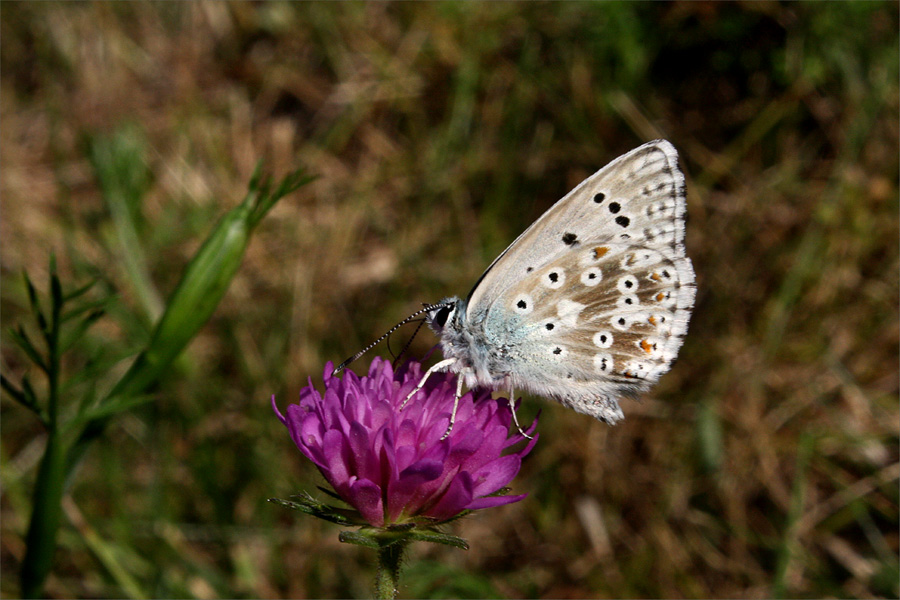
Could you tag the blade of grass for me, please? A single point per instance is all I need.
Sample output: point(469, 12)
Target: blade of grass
point(789, 549)
point(203, 284)
point(112, 556)
point(118, 162)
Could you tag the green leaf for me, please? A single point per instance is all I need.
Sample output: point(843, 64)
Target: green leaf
point(56, 293)
point(25, 397)
point(35, 302)
point(78, 292)
point(107, 409)
point(11, 389)
point(75, 334)
point(98, 305)
point(290, 183)
point(22, 340)
point(28, 389)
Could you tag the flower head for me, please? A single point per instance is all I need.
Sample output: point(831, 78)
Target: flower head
point(390, 464)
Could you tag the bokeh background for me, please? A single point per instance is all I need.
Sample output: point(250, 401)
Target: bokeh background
point(764, 464)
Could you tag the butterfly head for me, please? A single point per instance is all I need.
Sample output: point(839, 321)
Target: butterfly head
point(443, 314)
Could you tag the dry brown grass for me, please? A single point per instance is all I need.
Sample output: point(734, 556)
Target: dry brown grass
point(765, 463)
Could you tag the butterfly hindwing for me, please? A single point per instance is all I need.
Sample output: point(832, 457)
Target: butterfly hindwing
point(595, 324)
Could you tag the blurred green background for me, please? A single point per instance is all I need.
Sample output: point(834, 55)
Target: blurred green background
point(764, 464)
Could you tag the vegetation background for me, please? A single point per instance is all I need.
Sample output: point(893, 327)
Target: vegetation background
point(764, 464)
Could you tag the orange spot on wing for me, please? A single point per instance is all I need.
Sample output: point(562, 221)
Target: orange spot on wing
point(646, 346)
point(652, 320)
point(660, 296)
point(600, 251)
point(655, 277)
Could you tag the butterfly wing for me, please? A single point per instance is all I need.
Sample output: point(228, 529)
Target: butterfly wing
point(591, 303)
point(637, 198)
point(600, 322)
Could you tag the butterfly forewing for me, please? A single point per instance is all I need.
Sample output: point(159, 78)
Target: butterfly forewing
point(637, 198)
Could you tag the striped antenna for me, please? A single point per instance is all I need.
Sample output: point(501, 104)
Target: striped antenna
point(407, 344)
point(427, 308)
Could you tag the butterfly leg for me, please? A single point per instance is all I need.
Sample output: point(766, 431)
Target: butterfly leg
point(512, 407)
point(441, 366)
point(459, 384)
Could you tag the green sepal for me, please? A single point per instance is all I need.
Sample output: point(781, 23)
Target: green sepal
point(438, 537)
point(380, 537)
point(309, 505)
point(359, 539)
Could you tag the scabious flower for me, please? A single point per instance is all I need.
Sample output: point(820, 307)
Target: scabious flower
point(391, 464)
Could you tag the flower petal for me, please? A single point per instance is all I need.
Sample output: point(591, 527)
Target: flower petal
point(454, 500)
point(365, 496)
point(491, 501)
point(393, 464)
point(334, 450)
point(495, 475)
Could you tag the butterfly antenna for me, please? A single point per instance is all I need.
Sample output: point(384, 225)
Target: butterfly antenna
point(408, 343)
point(396, 357)
point(344, 364)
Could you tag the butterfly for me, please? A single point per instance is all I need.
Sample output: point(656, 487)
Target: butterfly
point(590, 304)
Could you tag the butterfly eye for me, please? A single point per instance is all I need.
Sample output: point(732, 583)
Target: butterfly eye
point(440, 317)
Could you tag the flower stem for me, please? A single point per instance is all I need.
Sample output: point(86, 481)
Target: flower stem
point(390, 555)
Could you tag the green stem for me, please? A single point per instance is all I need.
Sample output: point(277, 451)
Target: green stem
point(390, 555)
point(40, 542)
point(202, 286)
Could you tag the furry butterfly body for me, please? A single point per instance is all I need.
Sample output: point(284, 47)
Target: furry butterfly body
point(592, 302)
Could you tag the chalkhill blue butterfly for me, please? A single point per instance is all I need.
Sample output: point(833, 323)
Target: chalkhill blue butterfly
point(591, 303)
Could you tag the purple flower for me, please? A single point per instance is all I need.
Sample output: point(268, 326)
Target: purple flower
point(391, 465)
